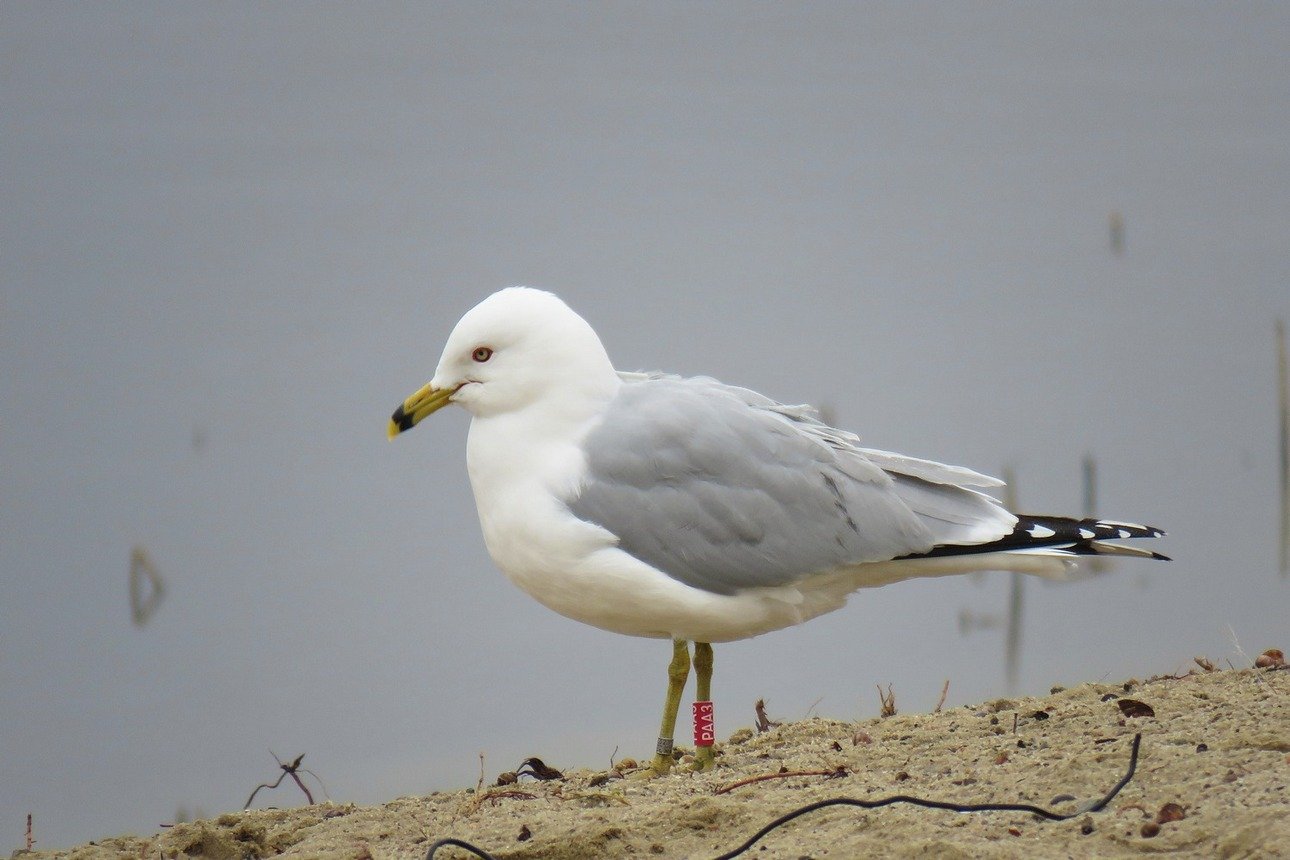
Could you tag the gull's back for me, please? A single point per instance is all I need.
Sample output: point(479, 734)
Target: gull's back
point(724, 489)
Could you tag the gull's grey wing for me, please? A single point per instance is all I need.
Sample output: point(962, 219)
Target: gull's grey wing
point(723, 489)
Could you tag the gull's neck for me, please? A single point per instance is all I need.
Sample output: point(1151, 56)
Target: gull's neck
point(539, 442)
point(523, 465)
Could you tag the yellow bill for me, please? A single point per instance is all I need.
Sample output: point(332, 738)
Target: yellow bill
point(426, 401)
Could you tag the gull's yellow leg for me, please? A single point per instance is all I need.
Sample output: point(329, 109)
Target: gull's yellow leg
point(677, 673)
point(703, 693)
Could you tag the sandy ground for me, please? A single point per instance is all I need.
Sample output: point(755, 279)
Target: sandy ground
point(1218, 746)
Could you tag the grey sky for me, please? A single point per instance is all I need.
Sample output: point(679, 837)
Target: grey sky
point(234, 237)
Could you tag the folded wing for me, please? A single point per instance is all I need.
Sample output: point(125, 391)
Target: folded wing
point(724, 489)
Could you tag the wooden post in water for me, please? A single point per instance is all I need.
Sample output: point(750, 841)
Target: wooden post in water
point(1116, 224)
point(1012, 642)
point(1094, 564)
point(1283, 398)
point(1090, 486)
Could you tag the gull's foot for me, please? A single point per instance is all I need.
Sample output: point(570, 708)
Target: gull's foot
point(704, 760)
point(660, 765)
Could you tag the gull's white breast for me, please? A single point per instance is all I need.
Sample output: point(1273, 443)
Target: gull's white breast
point(521, 469)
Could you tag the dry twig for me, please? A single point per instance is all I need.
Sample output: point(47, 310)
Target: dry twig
point(292, 770)
point(888, 700)
point(537, 769)
point(837, 773)
point(764, 723)
point(494, 796)
point(941, 701)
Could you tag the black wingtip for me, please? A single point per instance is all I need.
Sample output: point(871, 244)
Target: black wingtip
point(1062, 534)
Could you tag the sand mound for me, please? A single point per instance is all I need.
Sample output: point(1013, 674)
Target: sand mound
point(1218, 746)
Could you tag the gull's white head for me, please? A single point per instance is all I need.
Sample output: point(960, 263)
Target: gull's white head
point(517, 347)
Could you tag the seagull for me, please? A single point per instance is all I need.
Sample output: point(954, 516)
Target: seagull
point(653, 505)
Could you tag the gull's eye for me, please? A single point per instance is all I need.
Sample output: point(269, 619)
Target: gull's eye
point(482, 353)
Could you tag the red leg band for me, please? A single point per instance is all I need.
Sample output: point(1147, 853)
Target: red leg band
point(704, 729)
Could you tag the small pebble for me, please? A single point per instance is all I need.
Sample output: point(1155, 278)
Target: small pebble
point(1270, 659)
